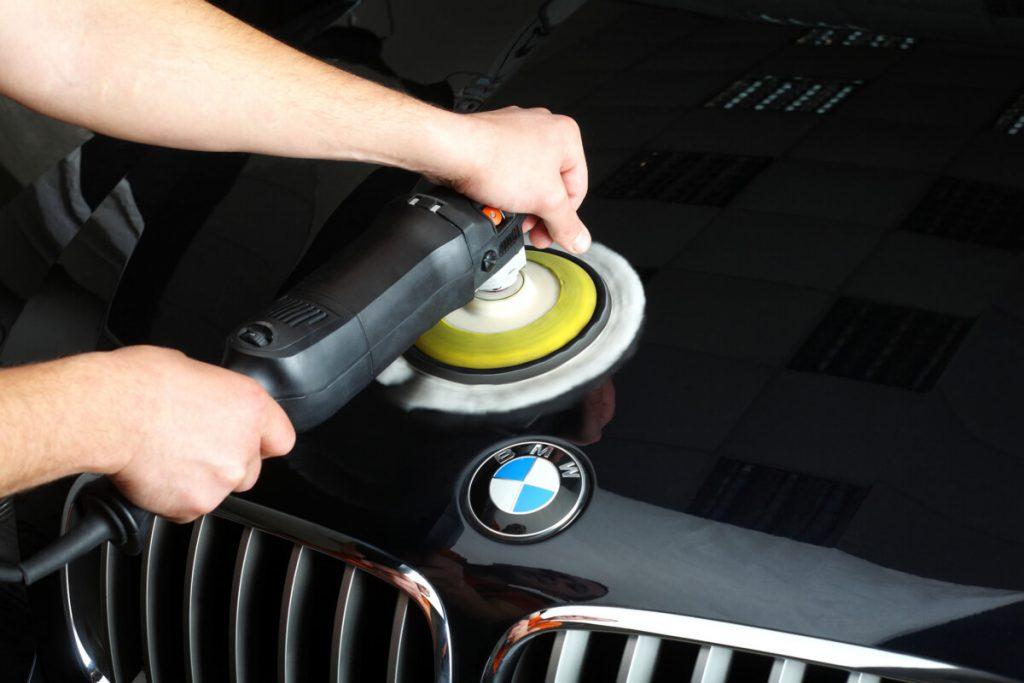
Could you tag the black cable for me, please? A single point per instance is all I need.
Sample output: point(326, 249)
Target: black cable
point(107, 516)
point(91, 531)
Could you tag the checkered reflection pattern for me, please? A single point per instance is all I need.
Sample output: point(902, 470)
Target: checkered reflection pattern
point(828, 280)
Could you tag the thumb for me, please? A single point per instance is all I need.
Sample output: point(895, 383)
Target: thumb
point(566, 228)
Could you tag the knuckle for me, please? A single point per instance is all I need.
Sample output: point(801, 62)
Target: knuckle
point(251, 478)
point(251, 395)
point(551, 200)
point(234, 473)
point(198, 503)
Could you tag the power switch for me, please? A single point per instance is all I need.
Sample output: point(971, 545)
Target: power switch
point(256, 335)
point(494, 215)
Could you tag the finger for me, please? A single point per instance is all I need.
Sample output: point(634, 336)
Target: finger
point(278, 433)
point(529, 223)
point(566, 227)
point(252, 474)
point(539, 237)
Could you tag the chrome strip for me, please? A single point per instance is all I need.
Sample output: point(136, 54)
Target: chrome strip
point(248, 547)
point(712, 665)
point(858, 677)
point(197, 552)
point(787, 671)
point(567, 655)
point(295, 585)
point(350, 601)
point(724, 634)
point(639, 659)
point(108, 562)
point(399, 634)
point(150, 656)
point(356, 554)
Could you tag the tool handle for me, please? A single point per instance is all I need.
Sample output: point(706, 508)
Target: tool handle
point(333, 333)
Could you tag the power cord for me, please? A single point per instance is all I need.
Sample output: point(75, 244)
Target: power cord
point(106, 516)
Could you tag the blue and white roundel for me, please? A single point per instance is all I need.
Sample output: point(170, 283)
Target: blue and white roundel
point(524, 485)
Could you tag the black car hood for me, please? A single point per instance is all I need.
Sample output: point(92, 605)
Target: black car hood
point(820, 430)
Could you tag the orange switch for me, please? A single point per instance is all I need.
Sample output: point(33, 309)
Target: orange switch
point(495, 215)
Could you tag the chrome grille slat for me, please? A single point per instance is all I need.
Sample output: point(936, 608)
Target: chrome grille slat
point(712, 664)
point(787, 671)
point(860, 677)
point(307, 616)
point(257, 587)
point(295, 587)
point(362, 629)
point(109, 596)
point(349, 602)
point(639, 659)
point(240, 594)
point(567, 657)
point(209, 573)
point(162, 593)
point(121, 613)
point(399, 632)
point(198, 547)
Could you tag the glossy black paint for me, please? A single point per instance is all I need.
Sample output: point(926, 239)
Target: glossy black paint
point(393, 479)
point(814, 537)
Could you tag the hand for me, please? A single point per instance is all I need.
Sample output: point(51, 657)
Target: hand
point(190, 433)
point(528, 161)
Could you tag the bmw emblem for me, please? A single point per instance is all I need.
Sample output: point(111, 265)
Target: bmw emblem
point(528, 491)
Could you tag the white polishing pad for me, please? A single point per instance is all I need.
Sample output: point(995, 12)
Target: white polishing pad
point(413, 389)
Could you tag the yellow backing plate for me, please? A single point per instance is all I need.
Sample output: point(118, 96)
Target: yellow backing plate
point(577, 299)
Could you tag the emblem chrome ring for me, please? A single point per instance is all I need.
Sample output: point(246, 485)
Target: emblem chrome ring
point(527, 490)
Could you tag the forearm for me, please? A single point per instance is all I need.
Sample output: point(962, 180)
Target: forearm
point(181, 73)
point(51, 422)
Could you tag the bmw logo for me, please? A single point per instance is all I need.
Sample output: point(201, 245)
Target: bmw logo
point(528, 490)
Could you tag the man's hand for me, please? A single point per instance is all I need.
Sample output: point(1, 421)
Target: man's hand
point(174, 434)
point(194, 432)
point(526, 161)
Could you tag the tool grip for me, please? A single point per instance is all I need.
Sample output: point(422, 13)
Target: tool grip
point(333, 333)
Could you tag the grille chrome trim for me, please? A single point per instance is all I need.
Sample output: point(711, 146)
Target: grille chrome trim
point(356, 554)
point(712, 634)
point(353, 553)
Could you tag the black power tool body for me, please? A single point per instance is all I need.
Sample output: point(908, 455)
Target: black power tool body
point(333, 333)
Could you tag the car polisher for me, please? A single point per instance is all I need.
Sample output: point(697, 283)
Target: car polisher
point(437, 275)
